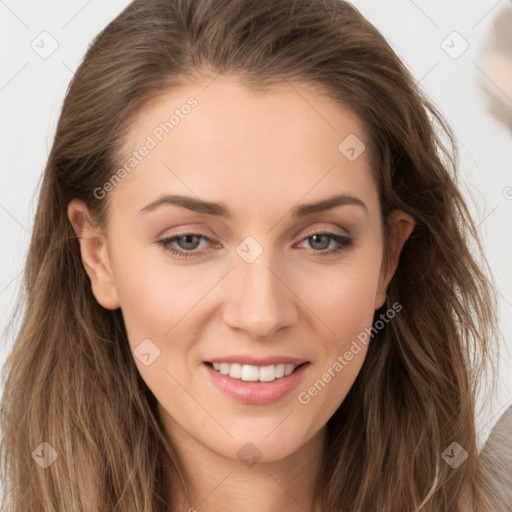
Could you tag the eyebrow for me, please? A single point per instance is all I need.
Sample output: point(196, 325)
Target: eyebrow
point(221, 209)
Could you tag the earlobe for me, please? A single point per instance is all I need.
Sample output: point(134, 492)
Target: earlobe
point(401, 226)
point(94, 253)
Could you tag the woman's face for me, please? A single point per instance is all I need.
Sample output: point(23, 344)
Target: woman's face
point(250, 284)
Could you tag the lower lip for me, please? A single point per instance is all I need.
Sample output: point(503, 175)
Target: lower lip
point(256, 393)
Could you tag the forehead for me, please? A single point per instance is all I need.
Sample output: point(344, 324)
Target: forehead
point(221, 140)
point(228, 112)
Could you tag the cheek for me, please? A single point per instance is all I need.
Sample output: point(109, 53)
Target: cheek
point(345, 300)
point(154, 306)
point(154, 296)
point(145, 302)
point(344, 304)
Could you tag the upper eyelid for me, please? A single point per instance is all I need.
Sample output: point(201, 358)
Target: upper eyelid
point(328, 231)
point(307, 232)
point(313, 232)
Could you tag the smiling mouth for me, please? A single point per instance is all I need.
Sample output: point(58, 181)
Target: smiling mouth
point(251, 373)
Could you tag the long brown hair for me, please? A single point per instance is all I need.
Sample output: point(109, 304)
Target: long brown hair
point(70, 380)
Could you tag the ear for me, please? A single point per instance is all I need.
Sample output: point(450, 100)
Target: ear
point(93, 248)
point(401, 226)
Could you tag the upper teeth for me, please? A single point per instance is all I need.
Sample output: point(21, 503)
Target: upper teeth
point(249, 372)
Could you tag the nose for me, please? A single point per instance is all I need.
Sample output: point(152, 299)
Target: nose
point(259, 300)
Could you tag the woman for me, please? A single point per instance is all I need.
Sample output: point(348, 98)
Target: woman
point(253, 368)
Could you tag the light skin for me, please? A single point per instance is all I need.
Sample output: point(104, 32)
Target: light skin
point(262, 155)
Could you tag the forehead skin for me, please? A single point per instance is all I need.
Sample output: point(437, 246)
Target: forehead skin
point(259, 152)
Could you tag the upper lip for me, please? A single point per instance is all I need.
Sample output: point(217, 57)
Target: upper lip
point(257, 360)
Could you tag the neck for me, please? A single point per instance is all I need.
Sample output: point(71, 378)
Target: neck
point(218, 483)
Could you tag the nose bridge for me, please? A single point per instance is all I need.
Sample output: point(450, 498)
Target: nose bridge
point(259, 301)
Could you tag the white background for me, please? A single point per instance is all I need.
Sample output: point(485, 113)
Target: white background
point(32, 90)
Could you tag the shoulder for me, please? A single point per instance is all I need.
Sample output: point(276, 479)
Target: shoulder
point(496, 464)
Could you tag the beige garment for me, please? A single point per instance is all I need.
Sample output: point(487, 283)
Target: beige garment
point(496, 460)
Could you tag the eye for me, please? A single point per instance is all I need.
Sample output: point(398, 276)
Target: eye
point(322, 239)
point(188, 243)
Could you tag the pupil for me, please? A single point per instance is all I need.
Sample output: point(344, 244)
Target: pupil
point(315, 240)
point(188, 240)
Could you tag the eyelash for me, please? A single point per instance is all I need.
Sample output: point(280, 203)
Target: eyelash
point(346, 243)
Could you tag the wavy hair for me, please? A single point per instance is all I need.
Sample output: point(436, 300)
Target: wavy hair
point(70, 379)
